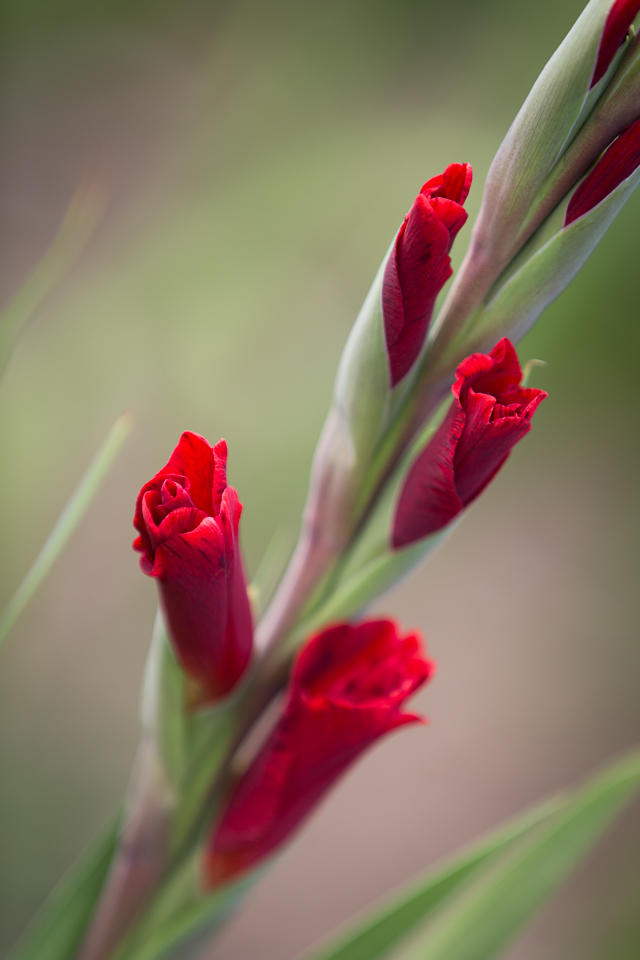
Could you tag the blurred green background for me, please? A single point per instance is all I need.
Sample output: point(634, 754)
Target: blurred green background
point(259, 157)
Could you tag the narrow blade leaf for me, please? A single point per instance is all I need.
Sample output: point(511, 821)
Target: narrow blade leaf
point(559, 831)
point(55, 932)
point(67, 521)
point(543, 276)
point(374, 935)
point(483, 917)
point(183, 915)
point(80, 221)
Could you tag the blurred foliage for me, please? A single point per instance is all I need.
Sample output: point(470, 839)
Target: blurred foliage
point(259, 157)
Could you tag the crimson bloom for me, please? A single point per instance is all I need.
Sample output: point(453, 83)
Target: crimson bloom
point(620, 17)
point(490, 413)
point(346, 690)
point(616, 164)
point(187, 518)
point(419, 264)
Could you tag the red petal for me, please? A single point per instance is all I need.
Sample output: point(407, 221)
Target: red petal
point(498, 415)
point(219, 474)
point(619, 19)
point(491, 412)
point(360, 668)
point(429, 499)
point(498, 373)
point(454, 183)
point(191, 465)
point(416, 271)
point(204, 596)
point(617, 163)
point(315, 740)
point(484, 445)
point(194, 458)
point(419, 265)
point(179, 521)
point(201, 473)
point(451, 214)
point(471, 369)
point(258, 799)
point(191, 569)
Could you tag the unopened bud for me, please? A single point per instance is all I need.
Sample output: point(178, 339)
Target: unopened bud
point(528, 176)
point(445, 470)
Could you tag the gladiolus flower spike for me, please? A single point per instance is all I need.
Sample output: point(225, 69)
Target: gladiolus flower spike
point(490, 413)
point(346, 690)
point(419, 264)
point(187, 518)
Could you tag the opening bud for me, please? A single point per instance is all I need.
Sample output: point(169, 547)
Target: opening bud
point(346, 690)
point(187, 519)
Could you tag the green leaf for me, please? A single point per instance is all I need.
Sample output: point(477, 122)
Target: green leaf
point(162, 712)
point(360, 394)
point(55, 932)
point(515, 199)
point(355, 589)
point(191, 745)
point(614, 111)
point(75, 230)
point(271, 568)
point(209, 738)
point(554, 107)
point(68, 521)
point(475, 904)
point(183, 913)
point(557, 105)
point(484, 917)
point(377, 933)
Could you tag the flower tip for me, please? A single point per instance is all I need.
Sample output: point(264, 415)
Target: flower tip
point(490, 413)
point(432, 669)
point(220, 449)
point(407, 719)
point(419, 265)
point(616, 28)
point(615, 165)
point(454, 184)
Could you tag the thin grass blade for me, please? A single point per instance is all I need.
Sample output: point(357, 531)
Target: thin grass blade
point(55, 932)
point(394, 923)
point(68, 521)
point(79, 223)
point(487, 912)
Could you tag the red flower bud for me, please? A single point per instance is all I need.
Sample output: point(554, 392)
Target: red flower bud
point(616, 27)
point(187, 518)
point(346, 690)
point(419, 264)
point(616, 164)
point(490, 413)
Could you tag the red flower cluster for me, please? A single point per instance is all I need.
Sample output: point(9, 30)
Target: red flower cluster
point(419, 264)
point(490, 413)
point(346, 690)
point(187, 518)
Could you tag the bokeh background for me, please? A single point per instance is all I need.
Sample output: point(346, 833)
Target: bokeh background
point(258, 158)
